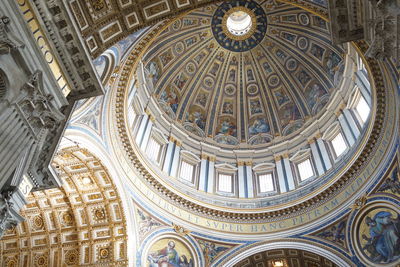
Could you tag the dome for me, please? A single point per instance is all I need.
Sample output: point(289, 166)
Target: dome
point(254, 88)
point(262, 115)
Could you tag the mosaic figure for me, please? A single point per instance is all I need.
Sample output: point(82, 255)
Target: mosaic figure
point(197, 117)
point(289, 113)
point(202, 99)
point(392, 183)
point(267, 67)
point(319, 22)
point(169, 256)
point(332, 60)
point(214, 69)
point(227, 127)
point(250, 76)
point(199, 57)
point(383, 243)
point(317, 51)
point(281, 97)
point(255, 106)
point(189, 22)
point(288, 36)
point(166, 58)
point(154, 71)
point(280, 54)
point(171, 98)
point(288, 18)
point(190, 41)
point(146, 223)
point(314, 93)
point(211, 250)
point(259, 126)
point(303, 77)
point(334, 233)
point(232, 75)
point(180, 81)
point(227, 108)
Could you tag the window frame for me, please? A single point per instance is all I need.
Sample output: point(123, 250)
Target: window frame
point(258, 175)
point(299, 173)
point(298, 158)
point(332, 147)
point(226, 169)
point(261, 169)
point(158, 137)
point(190, 158)
point(331, 133)
point(357, 112)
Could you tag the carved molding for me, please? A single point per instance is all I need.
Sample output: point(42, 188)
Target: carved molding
point(7, 41)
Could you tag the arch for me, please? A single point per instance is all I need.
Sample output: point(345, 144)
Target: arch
point(237, 257)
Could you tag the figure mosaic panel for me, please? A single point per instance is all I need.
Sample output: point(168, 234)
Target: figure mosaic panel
point(212, 250)
point(169, 252)
point(378, 235)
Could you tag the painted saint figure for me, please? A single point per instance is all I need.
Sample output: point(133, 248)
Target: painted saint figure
point(169, 257)
point(384, 241)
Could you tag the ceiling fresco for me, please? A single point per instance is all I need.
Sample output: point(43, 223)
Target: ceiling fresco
point(268, 90)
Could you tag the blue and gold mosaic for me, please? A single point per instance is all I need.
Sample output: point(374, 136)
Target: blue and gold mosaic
point(244, 42)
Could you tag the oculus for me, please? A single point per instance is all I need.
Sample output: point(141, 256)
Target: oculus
point(239, 25)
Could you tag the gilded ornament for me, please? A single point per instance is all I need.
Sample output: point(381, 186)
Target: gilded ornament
point(360, 202)
point(37, 222)
point(180, 230)
point(104, 253)
point(99, 214)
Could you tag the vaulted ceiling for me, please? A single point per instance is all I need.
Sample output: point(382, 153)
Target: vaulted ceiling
point(81, 223)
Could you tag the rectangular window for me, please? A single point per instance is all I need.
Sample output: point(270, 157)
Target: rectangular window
point(305, 169)
point(187, 171)
point(339, 145)
point(265, 182)
point(363, 109)
point(153, 150)
point(225, 183)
